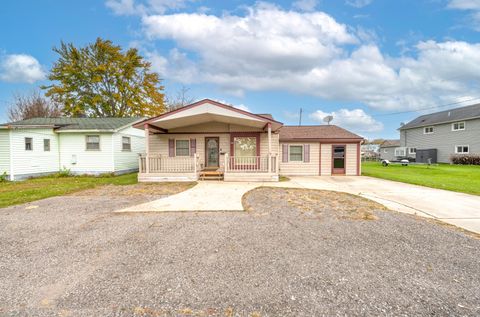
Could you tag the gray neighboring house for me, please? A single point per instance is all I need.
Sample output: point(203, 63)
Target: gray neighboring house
point(387, 149)
point(449, 132)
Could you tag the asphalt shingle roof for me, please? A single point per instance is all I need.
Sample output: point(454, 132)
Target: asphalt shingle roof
point(65, 124)
point(451, 115)
point(316, 132)
point(390, 143)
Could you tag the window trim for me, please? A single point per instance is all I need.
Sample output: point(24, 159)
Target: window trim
point(31, 144)
point(290, 152)
point(454, 123)
point(425, 130)
point(86, 142)
point(49, 145)
point(129, 144)
point(462, 145)
point(400, 148)
point(410, 150)
point(188, 140)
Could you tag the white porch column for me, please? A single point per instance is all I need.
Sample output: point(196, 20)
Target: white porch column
point(147, 148)
point(269, 162)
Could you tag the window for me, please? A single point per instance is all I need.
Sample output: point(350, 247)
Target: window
point(245, 146)
point(46, 145)
point(126, 145)
point(296, 153)
point(28, 144)
point(458, 126)
point(428, 130)
point(412, 150)
point(400, 151)
point(182, 147)
point(385, 151)
point(462, 149)
point(93, 142)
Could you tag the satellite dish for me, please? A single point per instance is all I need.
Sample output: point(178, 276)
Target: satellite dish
point(328, 119)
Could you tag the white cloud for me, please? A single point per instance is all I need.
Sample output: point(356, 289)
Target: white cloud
point(358, 3)
point(464, 4)
point(141, 7)
point(356, 120)
point(269, 48)
point(242, 107)
point(305, 5)
point(20, 68)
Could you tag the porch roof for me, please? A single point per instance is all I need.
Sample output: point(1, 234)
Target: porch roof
point(207, 111)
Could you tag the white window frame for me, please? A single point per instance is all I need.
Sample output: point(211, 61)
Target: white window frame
point(176, 140)
point(465, 145)
point(290, 152)
point(425, 130)
point(460, 122)
point(86, 142)
point(385, 151)
point(31, 144)
point(129, 144)
point(403, 149)
point(412, 152)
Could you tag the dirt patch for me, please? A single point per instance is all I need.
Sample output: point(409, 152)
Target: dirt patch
point(310, 202)
point(140, 189)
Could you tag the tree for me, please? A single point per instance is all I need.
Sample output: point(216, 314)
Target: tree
point(181, 99)
point(32, 105)
point(100, 80)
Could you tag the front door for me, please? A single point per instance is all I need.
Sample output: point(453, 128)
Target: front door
point(338, 159)
point(212, 158)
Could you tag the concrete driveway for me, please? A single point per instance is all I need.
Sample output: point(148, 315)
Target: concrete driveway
point(459, 209)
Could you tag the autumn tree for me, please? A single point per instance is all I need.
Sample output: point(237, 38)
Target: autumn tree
point(100, 80)
point(32, 105)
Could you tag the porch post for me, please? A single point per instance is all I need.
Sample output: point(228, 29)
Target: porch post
point(147, 148)
point(269, 162)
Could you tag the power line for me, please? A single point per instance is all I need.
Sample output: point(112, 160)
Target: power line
point(435, 107)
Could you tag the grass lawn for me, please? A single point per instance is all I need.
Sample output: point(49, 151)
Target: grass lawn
point(13, 193)
point(458, 178)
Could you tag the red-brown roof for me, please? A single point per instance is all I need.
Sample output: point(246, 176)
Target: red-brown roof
point(316, 132)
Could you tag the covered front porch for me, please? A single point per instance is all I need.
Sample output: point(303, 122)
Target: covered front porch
point(208, 140)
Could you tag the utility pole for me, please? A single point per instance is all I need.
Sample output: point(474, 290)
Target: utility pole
point(300, 117)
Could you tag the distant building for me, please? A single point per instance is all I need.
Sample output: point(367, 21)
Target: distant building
point(445, 133)
point(387, 149)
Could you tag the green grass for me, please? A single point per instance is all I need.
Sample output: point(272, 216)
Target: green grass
point(13, 193)
point(458, 178)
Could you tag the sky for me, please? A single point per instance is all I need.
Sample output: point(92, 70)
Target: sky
point(371, 64)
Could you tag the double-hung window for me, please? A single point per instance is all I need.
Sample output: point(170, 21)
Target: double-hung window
point(28, 144)
point(126, 143)
point(92, 142)
point(296, 153)
point(46, 145)
point(182, 147)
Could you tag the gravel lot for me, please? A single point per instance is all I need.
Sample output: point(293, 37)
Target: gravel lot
point(294, 253)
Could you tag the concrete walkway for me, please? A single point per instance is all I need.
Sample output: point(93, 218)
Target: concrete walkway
point(459, 209)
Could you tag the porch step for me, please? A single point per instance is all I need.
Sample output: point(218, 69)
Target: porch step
point(211, 175)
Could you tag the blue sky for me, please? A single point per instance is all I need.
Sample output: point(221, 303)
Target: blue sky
point(370, 63)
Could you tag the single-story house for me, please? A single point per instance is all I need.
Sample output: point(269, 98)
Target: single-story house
point(208, 139)
point(41, 146)
point(387, 149)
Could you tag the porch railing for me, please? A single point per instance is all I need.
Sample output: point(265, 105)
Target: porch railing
point(157, 163)
point(251, 164)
